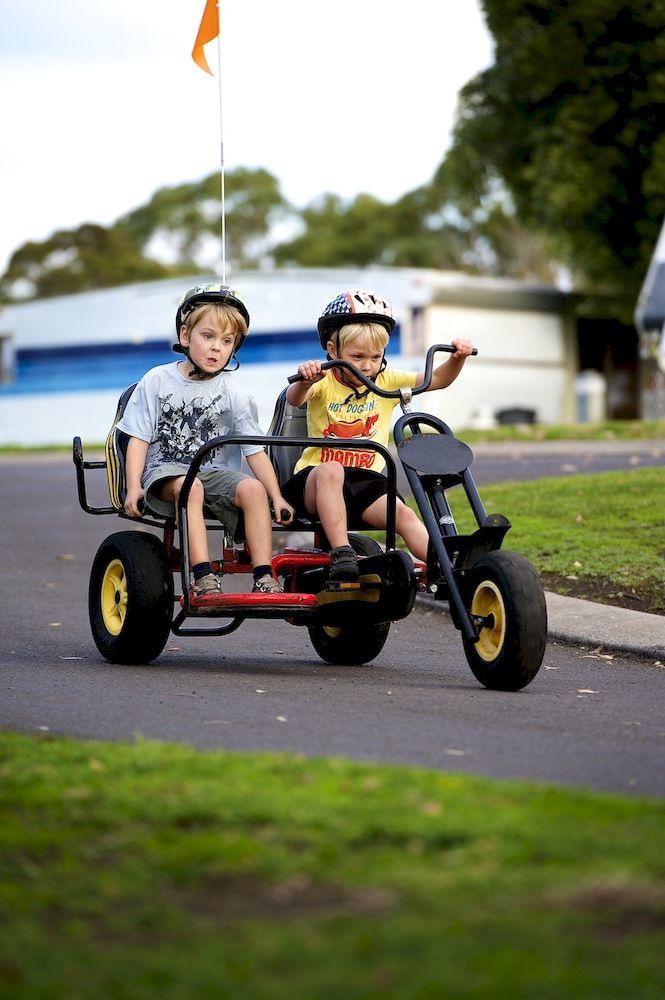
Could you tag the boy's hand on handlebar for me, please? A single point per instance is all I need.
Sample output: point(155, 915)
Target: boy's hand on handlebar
point(463, 347)
point(311, 371)
point(282, 511)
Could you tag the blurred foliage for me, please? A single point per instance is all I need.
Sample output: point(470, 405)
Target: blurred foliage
point(568, 120)
point(188, 213)
point(175, 224)
point(78, 260)
point(557, 165)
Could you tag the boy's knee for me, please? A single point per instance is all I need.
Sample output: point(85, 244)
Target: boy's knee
point(196, 493)
point(329, 474)
point(250, 491)
point(405, 516)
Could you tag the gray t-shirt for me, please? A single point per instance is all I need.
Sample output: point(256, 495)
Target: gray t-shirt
point(176, 416)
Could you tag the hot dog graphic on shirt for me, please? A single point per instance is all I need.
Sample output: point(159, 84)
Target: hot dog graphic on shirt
point(345, 430)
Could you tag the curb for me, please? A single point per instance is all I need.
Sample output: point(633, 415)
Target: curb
point(609, 629)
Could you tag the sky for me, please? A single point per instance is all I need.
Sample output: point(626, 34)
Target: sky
point(102, 103)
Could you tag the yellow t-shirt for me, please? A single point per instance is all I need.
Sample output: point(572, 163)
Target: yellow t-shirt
point(334, 411)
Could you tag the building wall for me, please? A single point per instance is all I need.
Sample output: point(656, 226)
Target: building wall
point(527, 352)
point(526, 360)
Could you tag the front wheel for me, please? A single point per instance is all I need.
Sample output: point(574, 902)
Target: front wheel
point(347, 645)
point(130, 598)
point(503, 588)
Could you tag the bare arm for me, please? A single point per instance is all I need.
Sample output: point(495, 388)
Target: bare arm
point(137, 451)
point(445, 374)
point(262, 468)
point(311, 372)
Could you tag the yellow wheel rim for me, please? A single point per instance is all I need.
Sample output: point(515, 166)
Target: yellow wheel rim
point(487, 600)
point(114, 597)
point(331, 632)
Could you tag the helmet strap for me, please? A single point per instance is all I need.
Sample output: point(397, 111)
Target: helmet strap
point(198, 373)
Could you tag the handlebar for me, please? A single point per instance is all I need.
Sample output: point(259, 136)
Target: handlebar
point(387, 393)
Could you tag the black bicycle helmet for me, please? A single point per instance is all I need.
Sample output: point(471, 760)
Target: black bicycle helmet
point(199, 295)
point(211, 291)
point(355, 306)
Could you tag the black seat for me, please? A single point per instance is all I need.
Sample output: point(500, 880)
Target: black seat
point(287, 421)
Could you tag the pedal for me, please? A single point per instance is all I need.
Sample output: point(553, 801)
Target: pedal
point(366, 590)
point(342, 586)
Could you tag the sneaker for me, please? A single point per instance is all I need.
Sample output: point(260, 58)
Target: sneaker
point(267, 585)
point(208, 584)
point(343, 565)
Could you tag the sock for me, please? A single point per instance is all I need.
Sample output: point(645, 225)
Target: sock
point(201, 569)
point(260, 571)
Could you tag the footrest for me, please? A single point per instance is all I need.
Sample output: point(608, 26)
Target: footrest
point(238, 603)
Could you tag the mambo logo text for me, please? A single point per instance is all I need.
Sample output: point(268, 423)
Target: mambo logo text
point(351, 459)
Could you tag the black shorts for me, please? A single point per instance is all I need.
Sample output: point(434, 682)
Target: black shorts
point(361, 488)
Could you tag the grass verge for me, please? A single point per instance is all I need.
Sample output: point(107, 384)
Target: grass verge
point(606, 430)
point(153, 870)
point(599, 536)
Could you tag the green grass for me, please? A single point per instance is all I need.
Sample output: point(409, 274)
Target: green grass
point(600, 534)
point(155, 871)
point(606, 430)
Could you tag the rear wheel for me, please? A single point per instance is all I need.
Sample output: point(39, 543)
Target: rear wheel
point(364, 546)
point(347, 645)
point(130, 598)
point(504, 589)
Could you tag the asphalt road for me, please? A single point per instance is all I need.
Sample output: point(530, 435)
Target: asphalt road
point(584, 720)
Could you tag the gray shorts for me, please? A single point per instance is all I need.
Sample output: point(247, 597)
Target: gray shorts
point(219, 486)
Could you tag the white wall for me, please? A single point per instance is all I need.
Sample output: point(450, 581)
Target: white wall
point(523, 361)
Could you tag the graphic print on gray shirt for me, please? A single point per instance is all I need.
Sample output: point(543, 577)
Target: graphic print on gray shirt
point(176, 416)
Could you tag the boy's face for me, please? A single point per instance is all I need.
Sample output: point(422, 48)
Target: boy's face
point(210, 342)
point(363, 352)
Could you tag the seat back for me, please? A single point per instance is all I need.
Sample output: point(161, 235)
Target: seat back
point(287, 421)
point(116, 454)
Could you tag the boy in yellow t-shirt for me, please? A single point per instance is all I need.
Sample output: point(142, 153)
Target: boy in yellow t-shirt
point(334, 483)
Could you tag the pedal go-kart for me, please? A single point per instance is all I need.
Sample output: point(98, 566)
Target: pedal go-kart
point(495, 597)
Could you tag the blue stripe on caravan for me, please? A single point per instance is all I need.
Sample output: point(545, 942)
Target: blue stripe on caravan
point(114, 366)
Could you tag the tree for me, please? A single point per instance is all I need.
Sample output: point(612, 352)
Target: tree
point(76, 261)
point(175, 225)
point(188, 217)
point(568, 121)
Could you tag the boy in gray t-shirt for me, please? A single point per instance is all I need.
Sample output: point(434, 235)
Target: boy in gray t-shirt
point(175, 409)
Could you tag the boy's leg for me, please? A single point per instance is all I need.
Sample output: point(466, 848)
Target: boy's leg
point(169, 489)
point(324, 496)
point(252, 499)
point(407, 524)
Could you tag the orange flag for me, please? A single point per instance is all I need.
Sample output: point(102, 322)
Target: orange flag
point(208, 29)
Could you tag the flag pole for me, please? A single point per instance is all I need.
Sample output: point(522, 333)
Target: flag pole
point(209, 28)
point(221, 138)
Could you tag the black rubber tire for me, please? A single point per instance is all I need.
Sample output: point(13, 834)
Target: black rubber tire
point(346, 646)
point(364, 546)
point(130, 597)
point(507, 656)
point(349, 645)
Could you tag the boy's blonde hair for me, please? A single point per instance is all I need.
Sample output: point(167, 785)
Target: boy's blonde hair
point(227, 315)
point(374, 334)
